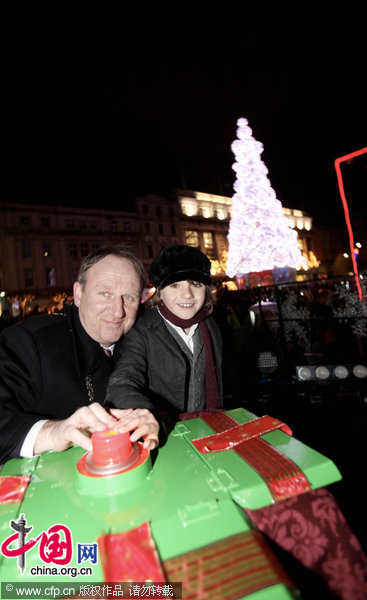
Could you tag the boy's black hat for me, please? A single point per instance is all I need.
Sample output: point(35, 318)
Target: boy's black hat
point(179, 263)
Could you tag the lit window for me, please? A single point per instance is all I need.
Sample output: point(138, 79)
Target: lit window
point(207, 211)
point(189, 208)
point(208, 239)
point(209, 244)
point(301, 244)
point(192, 238)
point(221, 213)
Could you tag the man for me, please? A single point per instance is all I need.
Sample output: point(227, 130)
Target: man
point(54, 369)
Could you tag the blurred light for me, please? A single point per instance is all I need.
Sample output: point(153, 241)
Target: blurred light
point(314, 373)
point(304, 373)
point(360, 371)
point(322, 373)
point(2, 294)
point(358, 245)
point(346, 255)
point(341, 372)
point(267, 362)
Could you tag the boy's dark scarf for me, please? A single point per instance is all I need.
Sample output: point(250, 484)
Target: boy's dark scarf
point(211, 380)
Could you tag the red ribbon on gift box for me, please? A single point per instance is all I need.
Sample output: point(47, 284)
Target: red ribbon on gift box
point(12, 488)
point(282, 476)
point(227, 440)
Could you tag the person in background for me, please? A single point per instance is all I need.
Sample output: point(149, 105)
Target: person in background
point(54, 368)
point(170, 361)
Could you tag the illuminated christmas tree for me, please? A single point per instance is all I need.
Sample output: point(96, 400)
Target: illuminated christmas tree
point(260, 238)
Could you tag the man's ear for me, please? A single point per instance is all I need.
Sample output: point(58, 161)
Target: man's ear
point(77, 291)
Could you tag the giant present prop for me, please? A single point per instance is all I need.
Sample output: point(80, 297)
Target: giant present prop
point(175, 514)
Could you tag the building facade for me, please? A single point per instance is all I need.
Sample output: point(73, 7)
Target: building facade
point(41, 247)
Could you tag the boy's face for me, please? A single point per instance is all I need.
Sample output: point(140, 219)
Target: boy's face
point(184, 298)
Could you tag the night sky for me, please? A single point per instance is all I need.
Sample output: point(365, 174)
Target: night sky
point(96, 120)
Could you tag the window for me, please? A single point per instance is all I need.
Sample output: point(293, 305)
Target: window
point(207, 211)
point(47, 249)
point(82, 224)
point(150, 250)
point(126, 226)
point(160, 228)
point(28, 277)
point(45, 222)
point(26, 249)
point(93, 225)
point(24, 221)
point(147, 227)
point(70, 223)
point(74, 273)
point(84, 249)
point(158, 210)
point(221, 213)
point(209, 244)
point(95, 246)
point(72, 250)
point(173, 229)
point(302, 244)
point(192, 238)
point(114, 226)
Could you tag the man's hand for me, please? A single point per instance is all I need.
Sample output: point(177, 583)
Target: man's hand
point(59, 435)
point(141, 422)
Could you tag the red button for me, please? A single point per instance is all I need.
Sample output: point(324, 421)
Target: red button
point(110, 447)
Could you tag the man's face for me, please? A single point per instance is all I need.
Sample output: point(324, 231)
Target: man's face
point(109, 301)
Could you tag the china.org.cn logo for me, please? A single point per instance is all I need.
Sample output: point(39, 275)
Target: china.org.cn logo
point(55, 545)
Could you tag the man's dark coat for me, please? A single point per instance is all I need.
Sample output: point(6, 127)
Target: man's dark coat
point(49, 367)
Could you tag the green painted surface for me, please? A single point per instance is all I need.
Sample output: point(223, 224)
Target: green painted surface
point(187, 498)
